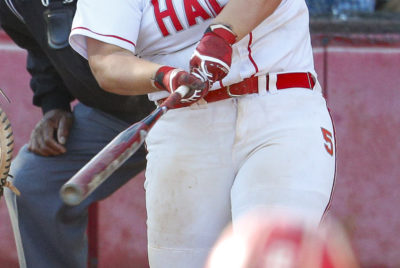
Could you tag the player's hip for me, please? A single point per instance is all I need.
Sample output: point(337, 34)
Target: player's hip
point(251, 119)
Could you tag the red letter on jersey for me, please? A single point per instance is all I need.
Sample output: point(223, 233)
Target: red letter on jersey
point(169, 12)
point(193, 10)
point(215, 6)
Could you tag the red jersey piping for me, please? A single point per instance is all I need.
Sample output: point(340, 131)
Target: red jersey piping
point(106, 35)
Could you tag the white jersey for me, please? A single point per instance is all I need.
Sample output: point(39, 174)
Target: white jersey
point(167, 31)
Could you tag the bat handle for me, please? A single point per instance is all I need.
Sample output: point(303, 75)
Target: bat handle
point(175, 97)
point(182, 90)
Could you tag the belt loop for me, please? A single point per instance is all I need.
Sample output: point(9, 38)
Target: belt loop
point(272, 79)
point(262, 85)
point(309, 77)
point(317, 86)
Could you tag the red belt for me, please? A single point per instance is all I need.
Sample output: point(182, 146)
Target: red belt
point(250, 86)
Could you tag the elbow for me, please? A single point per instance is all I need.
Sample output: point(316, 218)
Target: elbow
point(104, 83)
point(101, 75)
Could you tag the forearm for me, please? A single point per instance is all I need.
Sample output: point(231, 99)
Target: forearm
point(119, 71)
point(244, 15)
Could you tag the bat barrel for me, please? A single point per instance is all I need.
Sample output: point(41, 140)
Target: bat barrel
point(83, 183)
point(72, 194)
point(111, 157)
point(99, 168)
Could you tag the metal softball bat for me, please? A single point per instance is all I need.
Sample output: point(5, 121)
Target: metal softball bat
point(114, 154)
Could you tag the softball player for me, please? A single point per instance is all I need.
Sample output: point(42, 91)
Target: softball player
point(253, 131)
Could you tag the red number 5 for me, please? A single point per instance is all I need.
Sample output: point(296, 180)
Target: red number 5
point(328, 138)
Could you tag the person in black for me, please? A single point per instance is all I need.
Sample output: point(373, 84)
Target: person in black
point(47, 232)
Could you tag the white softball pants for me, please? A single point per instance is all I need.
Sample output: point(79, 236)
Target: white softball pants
point(211, 163)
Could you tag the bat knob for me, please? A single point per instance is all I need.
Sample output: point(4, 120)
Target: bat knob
point(71, 194)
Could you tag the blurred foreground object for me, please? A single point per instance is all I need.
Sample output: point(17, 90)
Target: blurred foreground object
point(276, 240)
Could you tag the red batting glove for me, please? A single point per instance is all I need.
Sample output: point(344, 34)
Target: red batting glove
point(169, 79)
point(213, 55)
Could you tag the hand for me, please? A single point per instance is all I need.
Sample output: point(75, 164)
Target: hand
point(213, 55)
point(169, 78)
point(50, 134)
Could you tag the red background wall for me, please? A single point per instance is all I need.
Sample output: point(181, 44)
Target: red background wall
point(362, 84)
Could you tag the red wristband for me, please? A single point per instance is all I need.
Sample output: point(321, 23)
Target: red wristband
point(159, 77)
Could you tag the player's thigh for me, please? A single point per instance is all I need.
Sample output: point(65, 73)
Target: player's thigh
point(188, 211)
point(188, 179)
point(294, 169)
